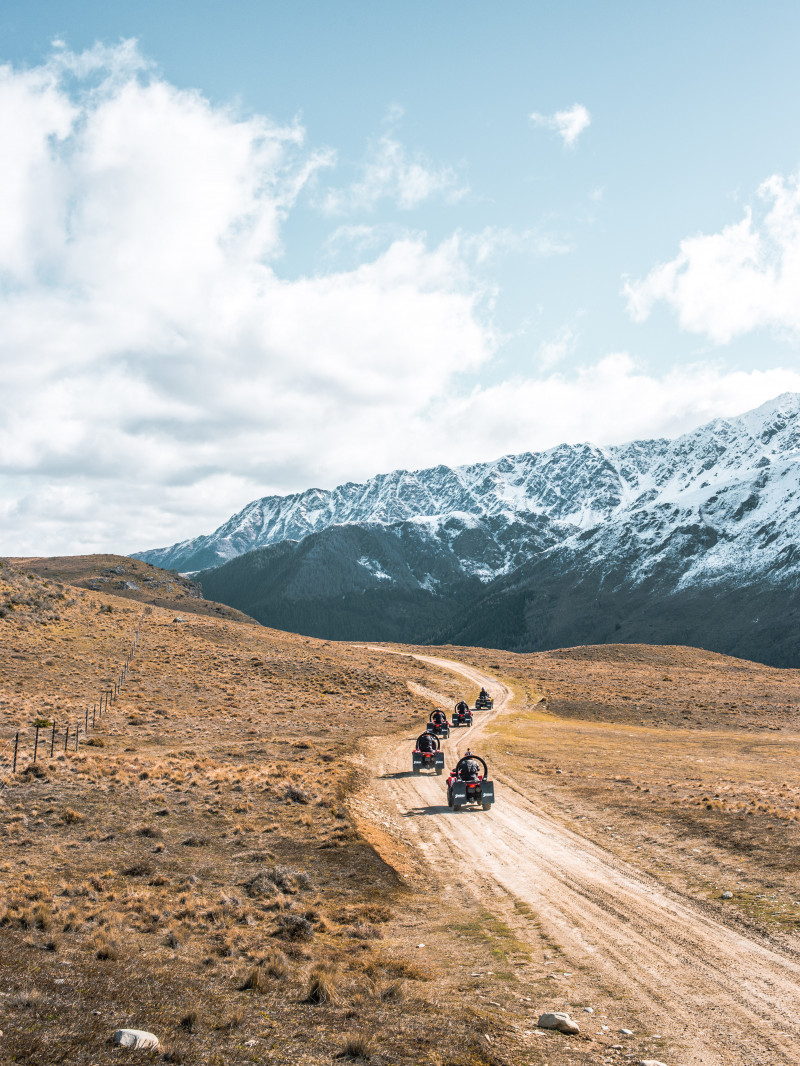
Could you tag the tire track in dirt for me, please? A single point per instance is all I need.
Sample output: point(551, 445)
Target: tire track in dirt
point(722, 999)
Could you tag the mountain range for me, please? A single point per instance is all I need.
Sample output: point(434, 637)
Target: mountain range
point(693, 540)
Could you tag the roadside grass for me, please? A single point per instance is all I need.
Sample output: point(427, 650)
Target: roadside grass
point(199, 874)
point(704, 802)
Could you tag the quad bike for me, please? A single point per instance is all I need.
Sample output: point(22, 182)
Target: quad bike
point(462, 716)
point(427, 760)
point(438, 725)
point(484, 704)
point(477, 790)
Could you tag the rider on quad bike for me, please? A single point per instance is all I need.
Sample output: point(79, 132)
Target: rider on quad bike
point(469, 783)
point(427, 754)
point(438, 724)
point(462, 715)
point(469, 769)
point(484, 702)
point(426, 743)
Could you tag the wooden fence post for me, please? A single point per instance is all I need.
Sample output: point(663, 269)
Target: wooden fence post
point(36, 744)
point(16, 746)
point(66, 737)
point(52, 738)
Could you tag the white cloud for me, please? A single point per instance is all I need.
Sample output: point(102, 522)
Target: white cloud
point(157, 372)
point(732, 282)
point(567, 124)
point(612, 401)
point(155, 369)
point(391, 172)
point(557, 348)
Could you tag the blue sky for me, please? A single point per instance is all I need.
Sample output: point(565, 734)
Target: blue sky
point(274, 245)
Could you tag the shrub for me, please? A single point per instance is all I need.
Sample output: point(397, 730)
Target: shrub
point(138, 869)
point(255, 979)
point(357, 1046)
point(151, 831)
point(294, 927)
point(322, 985)
point(277, 965)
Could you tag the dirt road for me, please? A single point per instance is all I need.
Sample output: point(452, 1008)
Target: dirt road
point(718, 997)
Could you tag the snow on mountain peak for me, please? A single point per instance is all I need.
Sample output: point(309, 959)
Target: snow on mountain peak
point(492, 516)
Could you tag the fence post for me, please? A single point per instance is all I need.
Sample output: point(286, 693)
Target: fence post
point(66, 737)
point(52, 738)
point(77, 734)
point(86, 721)
point(16, 746)
point(94, 709)
point(36, 744)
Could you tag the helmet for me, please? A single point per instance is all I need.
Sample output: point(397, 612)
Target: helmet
point(467, 752)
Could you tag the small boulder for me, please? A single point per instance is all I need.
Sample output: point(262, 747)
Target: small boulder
point(135, 1039)
point(559, 1020)
point(627, 1032)
point(649, 1062)
point(727, 895)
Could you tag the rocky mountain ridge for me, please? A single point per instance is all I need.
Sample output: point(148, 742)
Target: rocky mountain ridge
point(718, 507)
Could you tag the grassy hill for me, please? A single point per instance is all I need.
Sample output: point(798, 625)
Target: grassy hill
point(127, 578)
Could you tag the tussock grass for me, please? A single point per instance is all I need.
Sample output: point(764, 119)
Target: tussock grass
point(322, 985)
point(154, 929)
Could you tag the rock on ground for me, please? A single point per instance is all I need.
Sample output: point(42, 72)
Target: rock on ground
point(135, 1039)
point(558, 1020)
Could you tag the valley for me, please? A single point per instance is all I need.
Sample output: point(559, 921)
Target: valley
point(241, 861)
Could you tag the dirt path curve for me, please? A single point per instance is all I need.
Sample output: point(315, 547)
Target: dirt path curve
point(722, 998)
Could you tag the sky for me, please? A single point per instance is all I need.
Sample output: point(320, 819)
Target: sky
point(251, 248)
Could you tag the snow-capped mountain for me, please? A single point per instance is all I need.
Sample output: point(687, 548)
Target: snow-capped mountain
point(690, 541)
point(732, 486)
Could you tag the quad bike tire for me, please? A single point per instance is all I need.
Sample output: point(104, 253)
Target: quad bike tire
point(486, 806)
point(439, 770)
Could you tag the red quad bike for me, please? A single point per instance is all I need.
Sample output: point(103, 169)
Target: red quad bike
point(427, 760)
point(484, 704)
point(462, 715)
point(438, 724)
point(463, 787)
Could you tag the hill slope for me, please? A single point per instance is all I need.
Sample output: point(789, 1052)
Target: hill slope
point(663, 540)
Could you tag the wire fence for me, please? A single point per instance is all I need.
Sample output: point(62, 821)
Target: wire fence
point(45, 737)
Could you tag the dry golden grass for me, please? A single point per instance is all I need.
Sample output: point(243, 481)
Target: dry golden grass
point(199, 875)
point(677, 759)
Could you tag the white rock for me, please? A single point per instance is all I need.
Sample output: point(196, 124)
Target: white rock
point(135, 1039)
point(649, 1062)
point(627, 1032)
point(588, 1010)
point(727, 895)
point(559, 1020)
